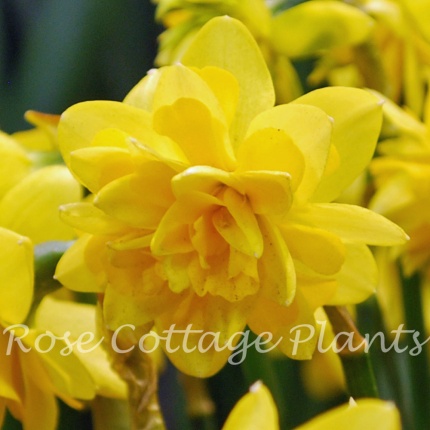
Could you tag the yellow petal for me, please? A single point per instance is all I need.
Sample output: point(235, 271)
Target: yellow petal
point(16, 276)
point(80, 124)
point(96, 167)
point(80, 267)
point(316, 248)
point(86, 217)
point(254, 411)
point(357, 118)
point(276, 267)
point(67, 373)
point(215, 322)
point(31, 207)
point(202, 138)
point(268, 192)
point(219, 43)
point(60, 317)
point(371, 414)
point(173, 234)
point(309, 28)
point(354, 223)
point(225, 87)
point(292, 327)
point(14, 163)
point(237, 224)
point(272, 149)
point(203, 179)
point(355, 284)
point(135, 200)
point(310, 130)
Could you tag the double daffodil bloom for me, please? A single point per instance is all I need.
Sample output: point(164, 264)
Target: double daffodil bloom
point(212, 208)
point(257, 410)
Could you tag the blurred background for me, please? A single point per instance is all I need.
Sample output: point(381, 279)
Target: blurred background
point(54, 53)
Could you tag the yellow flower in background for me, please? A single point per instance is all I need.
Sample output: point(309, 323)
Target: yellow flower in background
point(401, 176)
point(30, 381)
point(257, 410)
point(30, 191)
point(212, 207)
point(184, 18)
point(393, 57)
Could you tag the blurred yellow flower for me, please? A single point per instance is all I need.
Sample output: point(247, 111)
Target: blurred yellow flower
point(30, 191)
point(257, 410)
point(212, 207)
point(29, 380)
point(393, 58)
point(401, 176)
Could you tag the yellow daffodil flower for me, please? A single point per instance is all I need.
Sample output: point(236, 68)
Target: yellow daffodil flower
point(401, 177)
point(30, 192)
point(388, 50)
point(257, 410)
point(30, 379)
point(212, 208)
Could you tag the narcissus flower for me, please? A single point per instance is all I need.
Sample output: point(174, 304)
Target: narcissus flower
point(402, 177)
point(393, 57)
point(34, 183)
point(212, 207)
point(29, 380)
point(257, 410)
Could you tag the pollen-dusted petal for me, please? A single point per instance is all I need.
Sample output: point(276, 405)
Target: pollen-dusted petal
point(354, 223)
point(269, 192)
point(205, 238)
point(14, 163)
point(97, 166)
point(357, 116)
point(371, 414)
point(254, 411)
point(225, 87)
point(320, 250)
point(276, 267)
point(80, 123)
point(271, 149)
point(16, 276)
point(202, 138)
point(309, 28)
point(80, 268)
point(310, 130)
point(292, 326)
point(356, 284)
point(173, 234)
point(31, 207)
point(212, 322)
point(89, 219)
point(203, 179)
point(139, 199)
point(219, 43)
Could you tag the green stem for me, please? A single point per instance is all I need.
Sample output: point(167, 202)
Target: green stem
point(359, 376)
point(418, 364)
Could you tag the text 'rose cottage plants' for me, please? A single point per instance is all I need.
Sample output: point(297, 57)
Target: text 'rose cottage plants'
point(212, 208)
